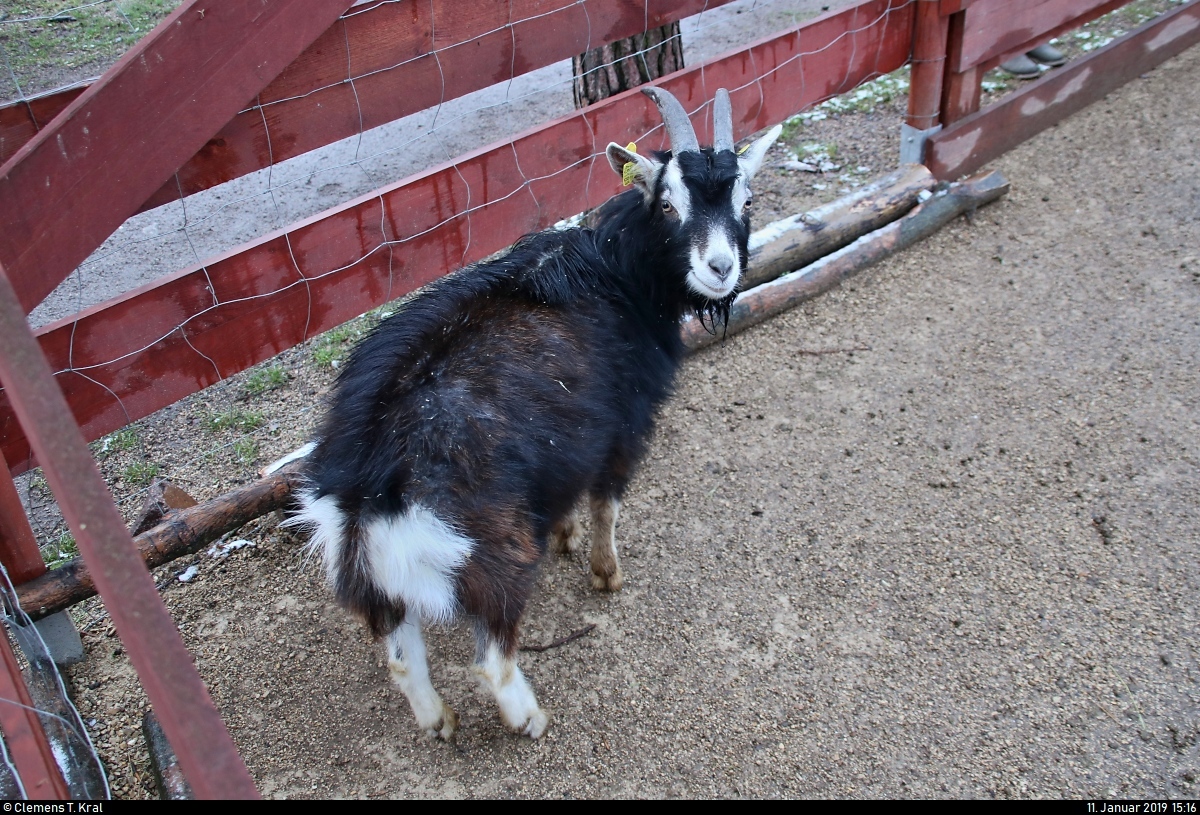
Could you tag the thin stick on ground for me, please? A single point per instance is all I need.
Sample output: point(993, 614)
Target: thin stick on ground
point(583, 632)
point(820, 352)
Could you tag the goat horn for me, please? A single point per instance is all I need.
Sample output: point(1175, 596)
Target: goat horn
point(679, 127)
point(722, 121)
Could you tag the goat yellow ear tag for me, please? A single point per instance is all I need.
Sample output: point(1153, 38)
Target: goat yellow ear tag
point(629, 171)
point(745, 147)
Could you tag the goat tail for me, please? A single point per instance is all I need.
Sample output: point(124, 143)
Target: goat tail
point(380, 566)
point(325, 523)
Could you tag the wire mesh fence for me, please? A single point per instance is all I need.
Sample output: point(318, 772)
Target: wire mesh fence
point(237, 433)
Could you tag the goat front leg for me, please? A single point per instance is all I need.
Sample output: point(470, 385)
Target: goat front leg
point(497, 669)
point(606, 571)
point(409, 666)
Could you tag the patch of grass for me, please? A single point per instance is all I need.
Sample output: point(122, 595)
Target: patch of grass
point(262, 380)
point(119, 441)
point(60, 551)
point(55, 33)
point(246, 451)
point(38, 483)
point(327, 356)
point(829, 149)
point(140, 473)
point(243, 420)
point(332, 346)
point(791, 129)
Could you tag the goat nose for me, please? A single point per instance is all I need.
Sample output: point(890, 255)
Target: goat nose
point(721, 267)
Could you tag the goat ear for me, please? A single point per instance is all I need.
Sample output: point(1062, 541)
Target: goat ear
point(752, 157)
point(642, 174)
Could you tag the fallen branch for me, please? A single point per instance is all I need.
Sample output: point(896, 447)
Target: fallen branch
point(583, 632)
point(799, 240)
point(187, 530)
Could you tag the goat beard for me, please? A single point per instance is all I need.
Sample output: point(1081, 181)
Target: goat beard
point(710, 312)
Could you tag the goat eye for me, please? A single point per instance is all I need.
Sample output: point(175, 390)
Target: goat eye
point(748, 203)
point(666, 206)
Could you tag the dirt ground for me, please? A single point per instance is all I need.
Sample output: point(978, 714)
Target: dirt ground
point(933, 534)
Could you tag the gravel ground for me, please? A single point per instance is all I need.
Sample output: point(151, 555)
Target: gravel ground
point(931, 535)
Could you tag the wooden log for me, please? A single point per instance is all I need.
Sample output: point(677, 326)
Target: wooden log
point(162, 500)
point(928, 66)
point(188, 530)
point(769, 299)
point(799, 240)
point(627, 63)
point(183, 532)
point(172, 786)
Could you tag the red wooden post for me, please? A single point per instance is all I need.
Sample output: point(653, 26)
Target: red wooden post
point(18, 547)
point(925, 88)
point(961, 90)
point(977, 139)
point(928, 65)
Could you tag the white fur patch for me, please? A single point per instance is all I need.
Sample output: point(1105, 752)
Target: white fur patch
point(412, 558)
point(719, 251)
point(409, 667)
point(675, 191)
point(741, 194)
point(299, 453)
point(751, 159)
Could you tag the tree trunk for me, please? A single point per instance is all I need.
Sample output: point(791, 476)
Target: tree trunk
point(624, 64)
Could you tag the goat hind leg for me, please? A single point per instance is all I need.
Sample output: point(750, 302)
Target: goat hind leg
point(409, 666)
point(606, 569)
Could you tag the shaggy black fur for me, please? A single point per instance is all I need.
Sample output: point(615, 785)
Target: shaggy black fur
point(500, 394)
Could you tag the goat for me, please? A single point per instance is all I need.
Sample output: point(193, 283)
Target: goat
point(464, 429)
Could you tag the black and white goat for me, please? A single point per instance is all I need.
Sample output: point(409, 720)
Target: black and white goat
point(465, 428)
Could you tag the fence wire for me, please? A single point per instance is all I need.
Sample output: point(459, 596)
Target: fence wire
point(70, 742)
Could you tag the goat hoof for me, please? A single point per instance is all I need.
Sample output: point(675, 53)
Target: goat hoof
point(535, 728)
point(566, 538)
point(612, 582)
point(446, 727)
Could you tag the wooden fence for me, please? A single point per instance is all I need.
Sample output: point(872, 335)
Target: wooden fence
point(274, 84)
